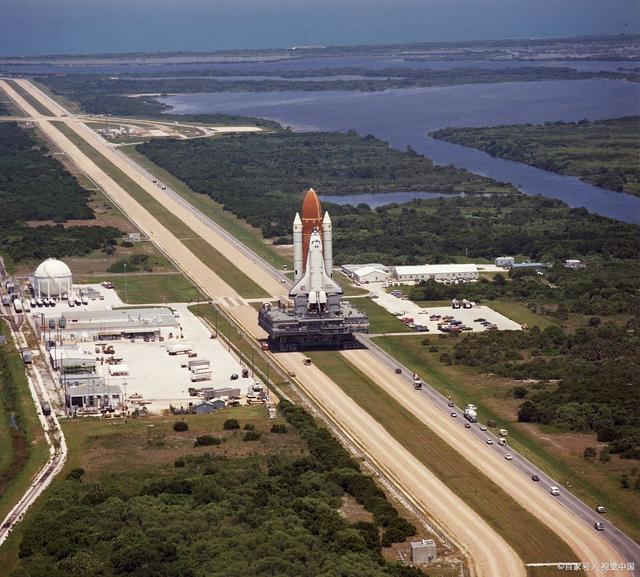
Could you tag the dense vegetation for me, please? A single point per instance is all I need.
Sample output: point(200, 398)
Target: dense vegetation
point(213, 516)
point(436, 230)
point(261, 177)
point(584, 381)
point(602, 152)
point(35, 187)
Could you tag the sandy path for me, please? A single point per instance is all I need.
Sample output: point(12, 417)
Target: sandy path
point(490, 553)
point(588, 544)
point(158, 233)
point(239, 259)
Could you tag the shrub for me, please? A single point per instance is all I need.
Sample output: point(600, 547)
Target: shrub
point(180, 427)
point(251, 436)
point(589, 453)
point(249, 427)
point(279, 428)
point(519, 392)
point(75, 474)
point(204, 440)
point(178, 463)
point(605, 457)
point(231, 425)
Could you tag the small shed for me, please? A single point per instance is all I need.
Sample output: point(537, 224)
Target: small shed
point(423, 551)
point(204, 408)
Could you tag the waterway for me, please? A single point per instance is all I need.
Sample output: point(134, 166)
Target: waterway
point(404, 117)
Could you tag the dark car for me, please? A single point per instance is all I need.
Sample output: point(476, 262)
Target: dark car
point(398, 371)
point(535, 478)
point(234, 377)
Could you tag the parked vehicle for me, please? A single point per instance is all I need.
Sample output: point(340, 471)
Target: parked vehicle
point(178, 349)
point(600, 509)
point(17, 305)
point(491, 423)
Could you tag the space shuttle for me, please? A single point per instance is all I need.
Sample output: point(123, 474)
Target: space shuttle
point(313, 288)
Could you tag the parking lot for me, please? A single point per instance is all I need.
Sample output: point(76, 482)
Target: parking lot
point(421, 315)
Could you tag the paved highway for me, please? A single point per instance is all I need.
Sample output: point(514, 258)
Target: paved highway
point(586, 544)
point(629, 549)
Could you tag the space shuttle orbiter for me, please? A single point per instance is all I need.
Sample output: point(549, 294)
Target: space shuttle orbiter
point(313, 270)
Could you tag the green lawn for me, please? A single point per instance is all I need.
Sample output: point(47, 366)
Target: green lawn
point(521, 314)
point(466, 385)
point(246, 234)
point(150, 288)
point(528, 536)
point(226, 270)
point(380, 320)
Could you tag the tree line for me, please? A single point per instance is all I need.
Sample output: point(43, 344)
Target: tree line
point(272, 515)
point(35, 187)
point(600, 152)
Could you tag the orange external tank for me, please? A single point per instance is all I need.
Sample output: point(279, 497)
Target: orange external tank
point(311, 220)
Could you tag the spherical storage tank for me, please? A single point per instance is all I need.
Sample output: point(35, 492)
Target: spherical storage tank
point(52, 279)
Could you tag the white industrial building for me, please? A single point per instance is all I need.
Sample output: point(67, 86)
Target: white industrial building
point(505, 261)
point(52, 278)
point(437, 272)
point(109, 325)
point(366, 273)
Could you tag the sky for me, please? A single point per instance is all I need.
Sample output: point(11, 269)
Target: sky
point(36, 27)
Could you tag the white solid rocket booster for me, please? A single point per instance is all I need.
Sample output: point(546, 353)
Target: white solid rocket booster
point(327, 248)
point(297, 248)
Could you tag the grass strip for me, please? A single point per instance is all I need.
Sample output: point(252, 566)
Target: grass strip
point(250, 237)
point(462, 387)
point(21, 435)
point(239, 281)
point(41, 108)
point(528, 536)
point(153, 288)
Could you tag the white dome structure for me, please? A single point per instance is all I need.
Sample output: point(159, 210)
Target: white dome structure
point(52, 278)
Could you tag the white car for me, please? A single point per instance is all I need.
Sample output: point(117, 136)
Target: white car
point(489, 441)
point(555, 491)
point(483, 427)
point(454, 415)
point(508, 456)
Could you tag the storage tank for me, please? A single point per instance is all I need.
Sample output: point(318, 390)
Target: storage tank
point(52, 278)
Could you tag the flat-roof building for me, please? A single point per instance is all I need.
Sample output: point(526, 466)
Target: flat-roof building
point(108, 325)
point(437, 272)
point(91, 395)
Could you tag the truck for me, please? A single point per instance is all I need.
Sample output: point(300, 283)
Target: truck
point(6, 300)
point(502, 442)
point(178, 349)
point(204, 376)
point(503, 432)
point(471, 413)
point(198, 363)
point(17, 305)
